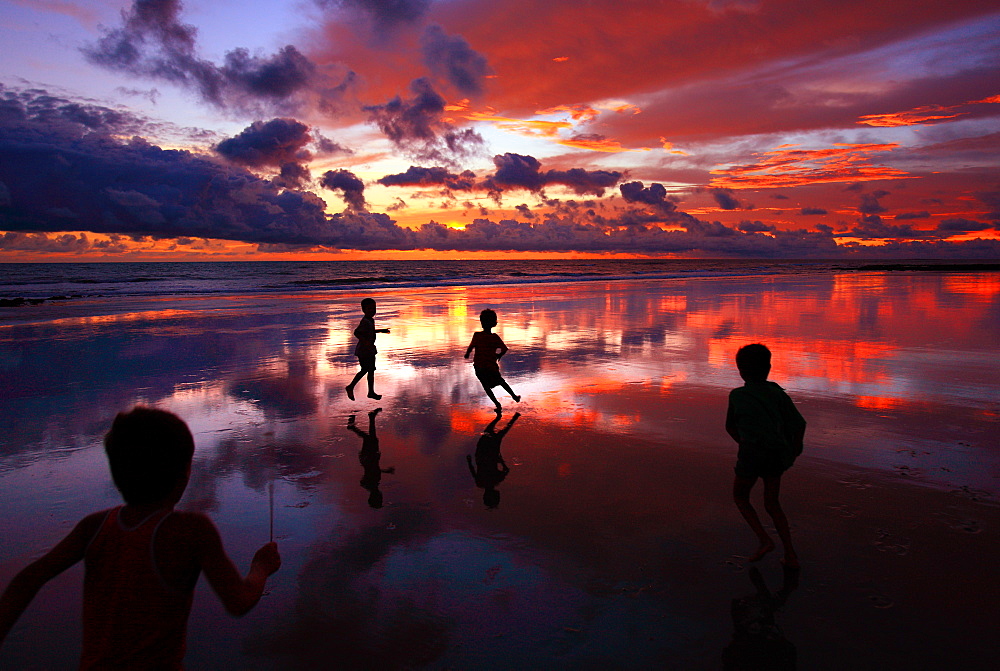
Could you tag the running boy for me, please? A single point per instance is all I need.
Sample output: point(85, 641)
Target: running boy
point(142, 560)
point(365, 349)
point(489, 348)
point(769, 430)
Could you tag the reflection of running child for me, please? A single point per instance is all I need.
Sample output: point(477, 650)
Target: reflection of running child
point(365, 349)
point(488, 349)
point(490, 469)
point(769, 430)
point(369, 457)
point(142, 560)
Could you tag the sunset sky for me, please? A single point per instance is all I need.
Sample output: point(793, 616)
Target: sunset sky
point(160, 129)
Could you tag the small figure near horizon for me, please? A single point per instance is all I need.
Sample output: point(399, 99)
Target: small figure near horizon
point(489, 349)
point(369, 456)
point(365, 349)
point(769, 429)
point(490, 469)
point(142, 560)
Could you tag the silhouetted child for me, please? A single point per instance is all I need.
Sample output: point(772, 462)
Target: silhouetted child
point(369, 456)
point(488, 349)
point(769, 430)
point(365, 349)
point(490, 469)
point(142, 560)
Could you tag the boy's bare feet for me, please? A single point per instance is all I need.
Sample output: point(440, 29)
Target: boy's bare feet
point(377, 397)
point(761, 551)
point(517, 399)
point(350, 392)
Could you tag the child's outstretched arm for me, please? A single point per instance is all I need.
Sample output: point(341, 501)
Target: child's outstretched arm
point(469, 350)
point(25, 585)
point(237, 594)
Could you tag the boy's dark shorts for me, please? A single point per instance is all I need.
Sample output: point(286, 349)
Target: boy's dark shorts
point(367, 362)
point(751, 464)
point(490, 377)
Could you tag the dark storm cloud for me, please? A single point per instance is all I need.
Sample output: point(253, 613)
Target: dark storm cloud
point(345, 181)
point(992, 200)
point(513, 172)
point(755, 227)
point(272, 143)
point(436, 176)
point(870, 202)
point(873, 227)
point(451, 58)
point(912, 215)
point(516, 171)
point(959, 225)
point(654, 194)
point(416, 128)
point(812, 210)
point(725, 199)
point(64, 169)
point(152, 42)
point(385, 15)
point(292, 176)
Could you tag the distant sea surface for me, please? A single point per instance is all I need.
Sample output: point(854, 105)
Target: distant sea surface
point(34, 281)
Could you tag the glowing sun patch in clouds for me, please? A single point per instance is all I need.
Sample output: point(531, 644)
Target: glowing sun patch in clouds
point(787, 167)
point(550, 129)
point(928, 114)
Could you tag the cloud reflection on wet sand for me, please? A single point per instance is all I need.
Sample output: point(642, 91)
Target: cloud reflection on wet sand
point(614, 522)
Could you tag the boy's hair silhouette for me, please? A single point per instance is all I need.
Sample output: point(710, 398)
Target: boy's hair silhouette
point(142, 560)
point(765, 423)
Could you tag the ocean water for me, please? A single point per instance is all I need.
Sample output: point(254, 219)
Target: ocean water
point(108, 280)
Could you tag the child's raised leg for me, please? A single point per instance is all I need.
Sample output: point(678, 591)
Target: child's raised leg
point(741, 495)
point(772, 487)
point(510, 391)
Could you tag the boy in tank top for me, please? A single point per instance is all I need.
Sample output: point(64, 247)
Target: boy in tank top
point(142, 559)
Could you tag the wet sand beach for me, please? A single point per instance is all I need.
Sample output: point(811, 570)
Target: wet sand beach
point(615, 543)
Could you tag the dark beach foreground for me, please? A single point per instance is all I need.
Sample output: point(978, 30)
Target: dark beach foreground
point(614, 542)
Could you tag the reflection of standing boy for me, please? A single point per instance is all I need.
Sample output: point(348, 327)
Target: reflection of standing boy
point(490, 469)
point(365, 349)
point(489, 348)
point(769, 429)
point(369, 456)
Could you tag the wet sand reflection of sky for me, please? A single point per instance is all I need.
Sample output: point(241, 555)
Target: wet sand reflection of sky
point(624, 386)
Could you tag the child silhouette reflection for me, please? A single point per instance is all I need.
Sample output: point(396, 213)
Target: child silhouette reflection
point(757, 642)
point(369, 456)
point(490, 468)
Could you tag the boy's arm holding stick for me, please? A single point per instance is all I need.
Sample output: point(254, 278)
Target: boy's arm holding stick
point(237, 594)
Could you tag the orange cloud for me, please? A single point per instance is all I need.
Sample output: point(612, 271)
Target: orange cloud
point(529, 127)
point(927, 114)
point(669, 147)
point(787, 167)
point(921, 115)
point(577, 112)
point(597, 143)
